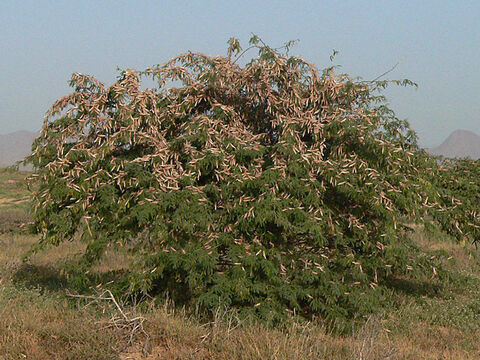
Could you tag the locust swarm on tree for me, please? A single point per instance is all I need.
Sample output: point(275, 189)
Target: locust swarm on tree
point(269, 187)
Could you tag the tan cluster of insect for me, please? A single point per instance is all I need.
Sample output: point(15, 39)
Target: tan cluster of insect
point(277, 104)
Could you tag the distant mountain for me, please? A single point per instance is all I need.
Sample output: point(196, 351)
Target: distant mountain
point(460, 143)
point(15, 146)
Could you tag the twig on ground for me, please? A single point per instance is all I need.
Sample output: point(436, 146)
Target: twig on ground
point(133, 325)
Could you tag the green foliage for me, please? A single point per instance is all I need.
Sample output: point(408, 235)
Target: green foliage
point(269, 188)
point(458, 184)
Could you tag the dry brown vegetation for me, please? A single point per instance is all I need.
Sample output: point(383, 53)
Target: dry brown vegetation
point(13, 200)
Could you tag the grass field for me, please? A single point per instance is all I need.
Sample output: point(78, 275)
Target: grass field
point(424, 319)
point(13, 199)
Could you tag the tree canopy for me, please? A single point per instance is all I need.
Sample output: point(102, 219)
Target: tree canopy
point(270, 187)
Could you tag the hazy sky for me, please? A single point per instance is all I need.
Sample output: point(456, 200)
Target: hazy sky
point(437, 44)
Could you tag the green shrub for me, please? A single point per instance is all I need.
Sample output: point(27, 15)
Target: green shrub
point(458, 184)
point(269, 188)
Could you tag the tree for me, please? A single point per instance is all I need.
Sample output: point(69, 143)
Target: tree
point(269, 188)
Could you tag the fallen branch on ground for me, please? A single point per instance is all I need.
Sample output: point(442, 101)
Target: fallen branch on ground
point(132, 325)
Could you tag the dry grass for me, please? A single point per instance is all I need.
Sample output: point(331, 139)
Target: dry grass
point(13, 192)
point(35, 325)
point(13, 220)
point(13, 201)
point(40, 322)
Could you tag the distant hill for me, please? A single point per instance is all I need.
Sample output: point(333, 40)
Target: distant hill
point(460, 143)
point(15, 146)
